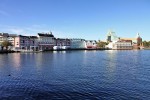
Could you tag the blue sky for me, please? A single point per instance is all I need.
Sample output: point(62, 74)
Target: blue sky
point(88, 19)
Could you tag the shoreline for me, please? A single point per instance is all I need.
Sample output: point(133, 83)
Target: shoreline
point(6, 51)
point(97, 49)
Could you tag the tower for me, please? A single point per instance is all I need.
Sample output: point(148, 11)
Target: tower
point(111, 36)
point(139, 39)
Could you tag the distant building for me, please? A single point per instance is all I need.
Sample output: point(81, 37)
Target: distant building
point(62, 43)
point(111, 36)
point(137, 41)
point(7, 37)
point(91, 44)
point(26, 42)
point(77, 43)
point(121, 45)
point(46, 41)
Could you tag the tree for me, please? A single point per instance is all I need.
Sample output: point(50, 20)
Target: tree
point(102, 44)
point(6, 44)
point(146, 43)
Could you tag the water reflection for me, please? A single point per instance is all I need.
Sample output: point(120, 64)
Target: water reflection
point(16, 60)
point(111, 60)
point(75, 75)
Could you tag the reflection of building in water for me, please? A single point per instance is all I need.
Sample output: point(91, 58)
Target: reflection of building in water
point(16, 60)
point(111, 64)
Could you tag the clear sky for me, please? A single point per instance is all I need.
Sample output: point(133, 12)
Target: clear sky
point(88, 19)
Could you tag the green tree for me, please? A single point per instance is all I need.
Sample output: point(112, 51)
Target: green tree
point(146, 43)
point(6, 44)
point(102, 44)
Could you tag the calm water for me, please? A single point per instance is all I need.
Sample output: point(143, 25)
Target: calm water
point(75, 75)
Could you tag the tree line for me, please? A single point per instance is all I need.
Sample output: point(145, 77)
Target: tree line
point(146, 43)
point(5, 44)
point(101, 44)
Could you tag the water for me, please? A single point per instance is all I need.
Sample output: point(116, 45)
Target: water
point(75, 75)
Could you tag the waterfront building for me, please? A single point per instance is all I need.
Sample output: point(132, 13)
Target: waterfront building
point(62, 43)
point(91, 44)
point(120, 45)
point(136, 41)
point(77, 43)
point(3, 37)
point(8, 37)
point(26, 43)
point(46, 41)
point(123, 45)
point(33, 41)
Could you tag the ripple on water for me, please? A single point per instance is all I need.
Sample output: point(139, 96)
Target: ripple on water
point(23, 89)
point(100, 75)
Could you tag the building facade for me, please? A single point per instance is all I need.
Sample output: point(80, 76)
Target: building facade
point(123, 45)
point(26, 43)
point(137, 41)
point(62, 43)
point(46, 41)
point(77, 43)
point(8, 37)
point(91, 44)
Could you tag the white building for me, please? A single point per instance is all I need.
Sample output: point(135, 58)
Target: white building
point(77, 43)
point(46, 41)
point(91, 44)
point(120, 45)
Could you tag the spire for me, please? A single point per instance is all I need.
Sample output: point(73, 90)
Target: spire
point(49, 32)
point(138, 35)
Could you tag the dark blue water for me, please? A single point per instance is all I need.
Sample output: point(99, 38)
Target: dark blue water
point(75, 75)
